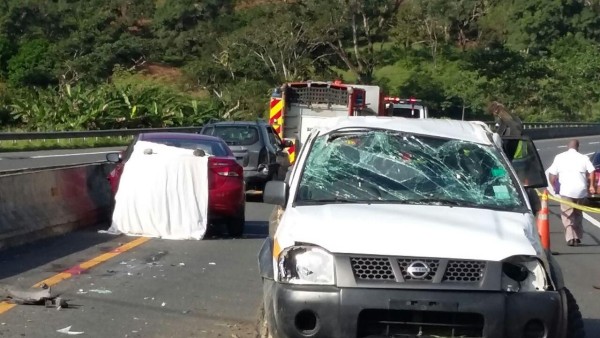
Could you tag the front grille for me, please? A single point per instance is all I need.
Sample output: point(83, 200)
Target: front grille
point(404, 263)
point(372, 268)
point(417, 270)
point(408, 323)
point(464, 271)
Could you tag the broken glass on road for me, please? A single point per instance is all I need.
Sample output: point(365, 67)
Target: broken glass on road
point(379, 166)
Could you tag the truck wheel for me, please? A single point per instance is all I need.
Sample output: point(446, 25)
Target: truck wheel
point(262, 327)
point(235, 225)
point(575, 328)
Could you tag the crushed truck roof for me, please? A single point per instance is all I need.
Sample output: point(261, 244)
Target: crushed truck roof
point(471, 131)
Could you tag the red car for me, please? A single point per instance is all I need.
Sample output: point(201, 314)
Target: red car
point(226, 191)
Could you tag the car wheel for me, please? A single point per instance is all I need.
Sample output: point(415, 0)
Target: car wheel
point(575, 327)
point(262, 326)
point(235, 225)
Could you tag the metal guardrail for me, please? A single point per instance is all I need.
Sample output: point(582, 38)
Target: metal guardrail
point(542, 125)
point(11, 136)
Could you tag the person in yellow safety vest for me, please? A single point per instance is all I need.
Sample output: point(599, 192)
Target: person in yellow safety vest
point(521, 151)
point(524, 167)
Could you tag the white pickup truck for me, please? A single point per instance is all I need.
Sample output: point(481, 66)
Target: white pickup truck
point(394, 227)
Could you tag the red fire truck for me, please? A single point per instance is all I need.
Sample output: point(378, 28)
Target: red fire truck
point(298, 107)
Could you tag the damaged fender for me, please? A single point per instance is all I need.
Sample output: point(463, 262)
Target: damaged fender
point(265, 259)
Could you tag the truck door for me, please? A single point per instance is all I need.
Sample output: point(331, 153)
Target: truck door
point(526, 161)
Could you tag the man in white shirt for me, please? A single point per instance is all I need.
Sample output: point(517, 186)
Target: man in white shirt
point(574, 173)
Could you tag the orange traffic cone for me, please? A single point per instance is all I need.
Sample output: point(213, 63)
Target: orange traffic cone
point(543, 224)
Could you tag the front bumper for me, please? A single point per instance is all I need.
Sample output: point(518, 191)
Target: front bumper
point(373, 312)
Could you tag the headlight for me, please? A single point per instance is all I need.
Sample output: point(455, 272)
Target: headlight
point(523, 274)
point(306, 265)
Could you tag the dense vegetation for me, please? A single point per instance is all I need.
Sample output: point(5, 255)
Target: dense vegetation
point(87, 64)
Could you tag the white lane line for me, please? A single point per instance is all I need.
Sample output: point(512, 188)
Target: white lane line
point(562, 146)
point(591, 219)
point(75, 154)
point(588, 154)
point(593, 142)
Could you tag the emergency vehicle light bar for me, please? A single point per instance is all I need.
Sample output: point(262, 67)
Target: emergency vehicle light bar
point(411, 100)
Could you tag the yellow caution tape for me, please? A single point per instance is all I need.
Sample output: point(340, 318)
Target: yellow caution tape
point(571, 204)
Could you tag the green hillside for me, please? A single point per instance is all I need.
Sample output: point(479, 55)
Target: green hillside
point(73, 64)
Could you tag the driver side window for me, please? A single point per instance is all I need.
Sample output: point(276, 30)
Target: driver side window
point(274, 138)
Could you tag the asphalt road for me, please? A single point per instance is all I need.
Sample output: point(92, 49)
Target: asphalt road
point(162, 288)
point(49, 158)
point(205, 288)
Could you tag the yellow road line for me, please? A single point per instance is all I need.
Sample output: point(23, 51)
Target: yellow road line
point(78, 269)
point(4, 307)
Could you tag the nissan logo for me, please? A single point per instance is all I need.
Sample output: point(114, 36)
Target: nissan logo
point(418, 270)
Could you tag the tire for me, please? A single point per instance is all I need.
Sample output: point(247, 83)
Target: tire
point(575, 327)
point(235, 225)
point(262, 326)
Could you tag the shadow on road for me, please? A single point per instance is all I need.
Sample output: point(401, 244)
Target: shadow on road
point(592, 236)
point(592, 327)
point(252, 229)
point(14, 261)
point(257, 229)
point(257, 198)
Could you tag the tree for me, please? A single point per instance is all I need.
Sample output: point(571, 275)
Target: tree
point(281, 42)
point(32, 65)
point(544, 21)
point(7, 50)
point(351, 29)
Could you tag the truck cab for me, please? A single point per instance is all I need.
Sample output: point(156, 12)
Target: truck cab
point(403, 227)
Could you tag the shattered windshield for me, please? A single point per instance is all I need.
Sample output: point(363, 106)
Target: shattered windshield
point(378, 166)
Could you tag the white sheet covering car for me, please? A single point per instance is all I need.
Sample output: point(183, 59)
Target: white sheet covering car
point(395, 227)
point(163, 192)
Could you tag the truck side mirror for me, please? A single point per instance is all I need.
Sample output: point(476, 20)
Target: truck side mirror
point(276, 192)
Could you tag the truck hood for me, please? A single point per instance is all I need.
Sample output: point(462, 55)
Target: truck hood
point(411, 230)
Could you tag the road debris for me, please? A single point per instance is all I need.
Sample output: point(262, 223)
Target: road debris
point(212, 263)
point(68, 331)
point(32, 296)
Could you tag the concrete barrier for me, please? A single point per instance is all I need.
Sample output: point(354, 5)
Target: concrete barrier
point(49, 202)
